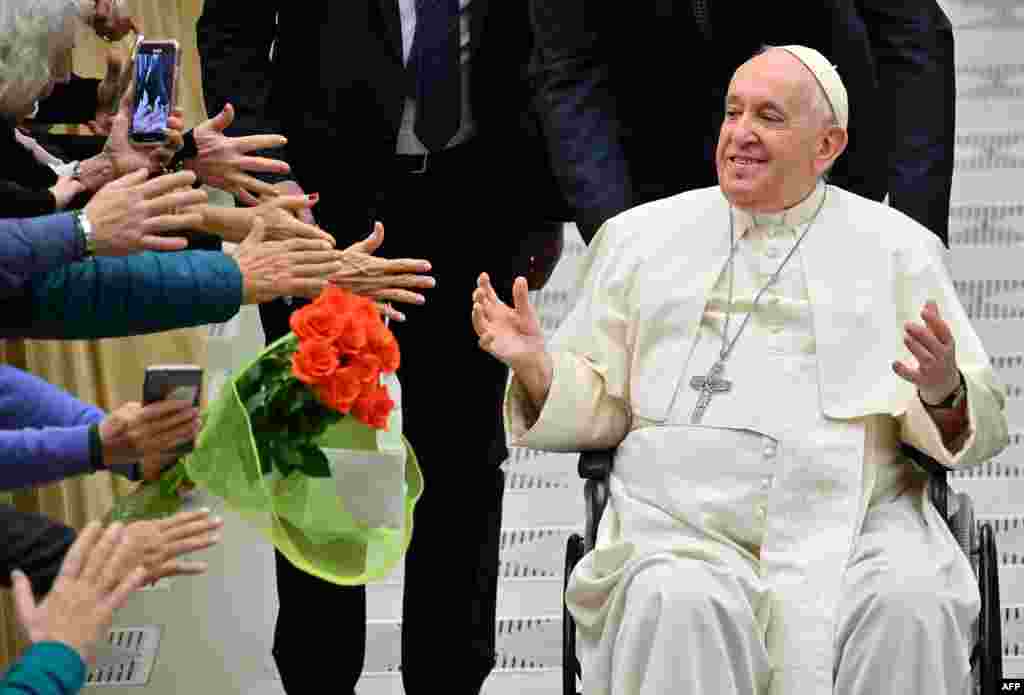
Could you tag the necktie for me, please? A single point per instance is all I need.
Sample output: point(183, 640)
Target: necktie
point(435, 63)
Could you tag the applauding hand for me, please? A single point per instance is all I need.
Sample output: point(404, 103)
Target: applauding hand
point(932, 344)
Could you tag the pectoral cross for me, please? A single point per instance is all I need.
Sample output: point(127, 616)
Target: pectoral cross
point(708, 386)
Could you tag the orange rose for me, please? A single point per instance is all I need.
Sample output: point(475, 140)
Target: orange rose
point(314, 361)
point(353, 334)
point(336, 299)
point(367, 366)
point(383, 344)
point(316, 322)
point(373, 407)
point(341, 390)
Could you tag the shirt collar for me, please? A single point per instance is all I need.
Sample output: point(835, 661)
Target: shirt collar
point(795, 216)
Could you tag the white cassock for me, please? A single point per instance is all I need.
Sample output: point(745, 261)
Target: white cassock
point(780, 546)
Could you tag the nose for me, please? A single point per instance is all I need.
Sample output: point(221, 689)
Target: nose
point(743, 130)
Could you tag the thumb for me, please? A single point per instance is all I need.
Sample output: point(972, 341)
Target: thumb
point(24, 600)
point(223, 119)
point(371, 243)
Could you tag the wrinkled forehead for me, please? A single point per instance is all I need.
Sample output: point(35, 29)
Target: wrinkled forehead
point(774, 77)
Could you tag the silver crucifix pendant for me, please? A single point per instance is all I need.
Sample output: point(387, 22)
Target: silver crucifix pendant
point(708, 386)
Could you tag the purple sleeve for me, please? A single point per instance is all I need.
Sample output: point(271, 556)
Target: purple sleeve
point(44, 432)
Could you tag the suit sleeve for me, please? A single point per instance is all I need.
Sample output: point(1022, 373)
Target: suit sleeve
point(235, 40)
point(573, 97)
point(913, 47)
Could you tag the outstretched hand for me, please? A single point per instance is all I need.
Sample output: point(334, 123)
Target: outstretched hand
point(932, 345)
point(223, 161)
point(382, 279)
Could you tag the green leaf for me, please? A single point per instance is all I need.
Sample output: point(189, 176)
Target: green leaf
point(314, 462)
point(256, 402)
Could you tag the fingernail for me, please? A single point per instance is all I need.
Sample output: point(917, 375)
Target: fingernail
point(204, 510)
point(217, 520)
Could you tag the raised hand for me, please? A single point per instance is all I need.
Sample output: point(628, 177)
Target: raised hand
point(223, 161)
point(511, 334)
point(932, 345)
point(94, 581)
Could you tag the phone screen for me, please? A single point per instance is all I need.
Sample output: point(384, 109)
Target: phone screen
point(154, 87)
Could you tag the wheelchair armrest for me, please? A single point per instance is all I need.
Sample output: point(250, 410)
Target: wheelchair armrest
point(596, 464)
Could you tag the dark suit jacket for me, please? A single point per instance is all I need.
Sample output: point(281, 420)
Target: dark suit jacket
point(912, 44)
point(336, 86)
point(632, 99)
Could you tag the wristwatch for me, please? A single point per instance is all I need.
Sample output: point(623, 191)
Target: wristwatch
point(84, 227)
point(953, 400)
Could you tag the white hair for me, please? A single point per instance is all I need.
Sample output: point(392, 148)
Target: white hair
point(32, 34)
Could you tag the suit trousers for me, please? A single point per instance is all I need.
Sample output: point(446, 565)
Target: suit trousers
point(452, 394)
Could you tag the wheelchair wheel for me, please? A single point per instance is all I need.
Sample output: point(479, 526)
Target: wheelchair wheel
point(570, 665)
point(990, 625)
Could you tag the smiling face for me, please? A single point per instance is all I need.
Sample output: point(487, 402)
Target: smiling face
point(776, 140)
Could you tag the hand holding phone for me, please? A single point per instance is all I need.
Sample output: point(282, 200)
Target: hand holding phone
point(155, 67)
point(176, 382)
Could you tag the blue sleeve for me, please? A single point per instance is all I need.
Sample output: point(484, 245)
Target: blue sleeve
point(131, 295)
point(35, 245)
point(46, 668)
point(44, 432)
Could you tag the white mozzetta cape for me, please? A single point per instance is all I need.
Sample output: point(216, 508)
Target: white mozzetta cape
point(622, 350)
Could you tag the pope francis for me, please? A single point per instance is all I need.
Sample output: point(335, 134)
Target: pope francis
point(756, 352)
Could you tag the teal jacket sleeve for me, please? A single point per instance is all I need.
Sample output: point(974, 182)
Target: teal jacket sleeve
point(46, 668)
point(132, 295)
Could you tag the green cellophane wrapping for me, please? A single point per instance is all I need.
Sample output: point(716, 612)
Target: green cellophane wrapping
point(303, 517)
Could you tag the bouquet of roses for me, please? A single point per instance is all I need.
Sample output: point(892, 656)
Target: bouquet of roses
point(305, 442)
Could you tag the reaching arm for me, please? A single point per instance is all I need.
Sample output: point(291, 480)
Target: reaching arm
point(574, 98)
point(115, 296)
point(44, 433)
point(36, 245)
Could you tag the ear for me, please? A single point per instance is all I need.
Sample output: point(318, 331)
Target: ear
point(831, 143)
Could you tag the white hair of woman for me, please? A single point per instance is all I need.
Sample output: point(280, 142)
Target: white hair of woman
point(36, 37)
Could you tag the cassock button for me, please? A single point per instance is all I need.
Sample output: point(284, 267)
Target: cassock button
point(769, 451)
point(766, 483)
point(762, 512)
point(772, 252)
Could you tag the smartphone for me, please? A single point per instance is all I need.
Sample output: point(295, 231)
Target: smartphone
point(156, 81)
point(179, 382)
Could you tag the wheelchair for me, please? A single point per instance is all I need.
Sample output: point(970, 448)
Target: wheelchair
point(977, 541)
